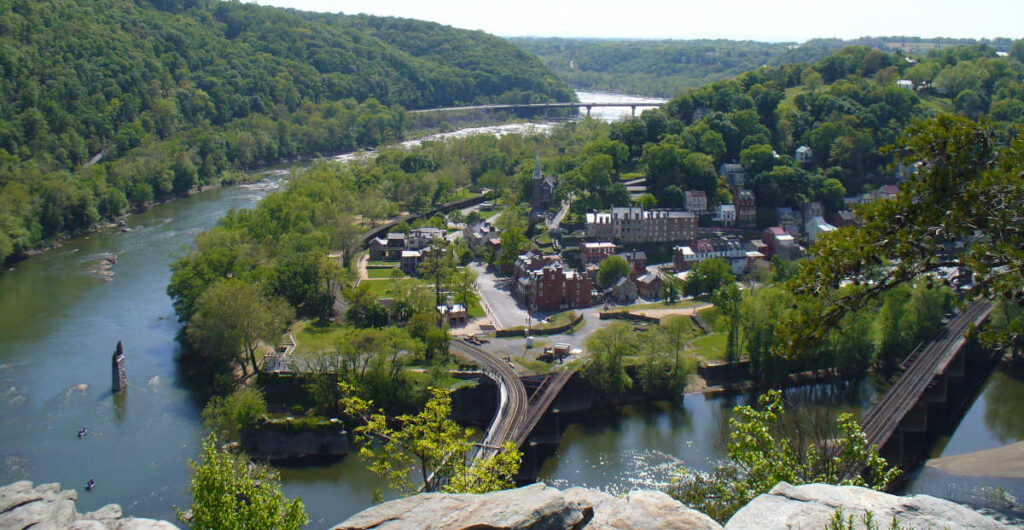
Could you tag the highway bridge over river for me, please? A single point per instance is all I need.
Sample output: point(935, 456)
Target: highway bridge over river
point(554, 105)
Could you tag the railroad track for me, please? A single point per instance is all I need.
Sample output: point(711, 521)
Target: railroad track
point(517, 414)
point(884, 418)
point(513, 406)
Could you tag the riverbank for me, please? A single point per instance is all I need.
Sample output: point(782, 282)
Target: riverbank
point(1006, 462)
point(257, 173)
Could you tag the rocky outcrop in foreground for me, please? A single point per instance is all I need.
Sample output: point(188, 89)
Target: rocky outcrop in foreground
point(812, 506)
point(536, 506)
point(543, 507)
point(47, 507)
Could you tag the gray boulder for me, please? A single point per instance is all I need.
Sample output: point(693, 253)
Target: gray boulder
point(812, 506)
point(638, 510)
point(536, 506)
point(532, 507)
point(47, 507)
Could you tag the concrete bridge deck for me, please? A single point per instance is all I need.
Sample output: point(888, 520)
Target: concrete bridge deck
point(553, 105)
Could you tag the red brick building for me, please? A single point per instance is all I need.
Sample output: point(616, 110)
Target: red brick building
point(597, 252)
point(553, 287)
point(746, 207)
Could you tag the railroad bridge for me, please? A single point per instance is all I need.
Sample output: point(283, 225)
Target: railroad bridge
point(940, 380)
point(524, 418)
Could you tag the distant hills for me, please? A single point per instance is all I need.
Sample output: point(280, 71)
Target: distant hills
point(171, 93)
point(666, 68)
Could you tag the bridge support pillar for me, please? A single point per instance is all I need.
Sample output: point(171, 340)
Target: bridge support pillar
point(588, 110)
point(633, 107)
point(529, 467)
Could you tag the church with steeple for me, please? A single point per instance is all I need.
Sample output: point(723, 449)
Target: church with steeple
point(542, 191)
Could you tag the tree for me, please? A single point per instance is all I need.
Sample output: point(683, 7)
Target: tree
point(233, 320)
point(673, 289)
point(757, 159)
point(228, 491)
point(438, 266)
point(465, 283)
point(727, 299)
point(970, 185)
point(429, 446)
point(605, 370)
point(611, 269)
point(707, 276)
point(227, 416)
point(760, 456)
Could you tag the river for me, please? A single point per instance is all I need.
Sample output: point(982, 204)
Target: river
point(62, 313)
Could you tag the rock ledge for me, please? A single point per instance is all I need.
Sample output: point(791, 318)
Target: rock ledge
point(47, 507)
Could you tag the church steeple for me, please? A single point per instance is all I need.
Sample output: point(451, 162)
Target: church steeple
point(536, 169)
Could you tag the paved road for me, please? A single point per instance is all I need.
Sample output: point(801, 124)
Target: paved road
point(494, 291)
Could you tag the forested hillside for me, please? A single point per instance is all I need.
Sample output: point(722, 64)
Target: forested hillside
point(172, 94)
point(846, 108)
point(666, 68)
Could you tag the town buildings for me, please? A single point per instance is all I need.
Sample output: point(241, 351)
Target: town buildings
point(636, 225)
point(596, 252)
point(544, 283)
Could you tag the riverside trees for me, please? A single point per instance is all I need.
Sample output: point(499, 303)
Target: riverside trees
point(764, 452)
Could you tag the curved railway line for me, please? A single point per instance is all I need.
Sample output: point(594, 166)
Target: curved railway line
point(518, 414)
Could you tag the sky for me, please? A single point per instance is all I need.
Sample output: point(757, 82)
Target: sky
point(764, 20)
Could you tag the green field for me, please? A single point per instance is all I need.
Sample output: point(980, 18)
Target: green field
point(678, 304)
point(710, 347)
point(383, 274)
point(313, 339)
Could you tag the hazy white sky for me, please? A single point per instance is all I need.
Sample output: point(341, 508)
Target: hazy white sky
point(781, 20)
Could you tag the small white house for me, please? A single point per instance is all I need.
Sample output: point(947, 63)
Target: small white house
point(725, 215)
point(905, 83)
point(803, 154)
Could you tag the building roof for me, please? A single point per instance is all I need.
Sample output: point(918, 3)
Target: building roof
point(648, 278)
point(396, 235)
point(411, 254)
point(726, 208)
point(601, 244)
point(427, 230)
point(777, 231)
point(633, 254)
point(890, 189)
point(696, 194)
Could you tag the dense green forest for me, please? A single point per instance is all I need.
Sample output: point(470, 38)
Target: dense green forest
point(166, 96)
point(666, 68)
point(846, 108)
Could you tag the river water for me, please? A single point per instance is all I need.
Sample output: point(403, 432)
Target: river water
point(62, 313)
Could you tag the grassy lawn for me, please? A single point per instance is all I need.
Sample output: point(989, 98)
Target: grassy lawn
point(714, 319)
point(314, 339)
point(381, 264)
point(678, 304)
point(554, 321)
point(710, 347)
point(384, 274)
point(533, 365)
point(386, 288)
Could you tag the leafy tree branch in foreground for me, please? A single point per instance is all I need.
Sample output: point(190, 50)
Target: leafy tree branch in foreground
point(428, 451)
point(962, 207)
point(760, 457)
point(229, 491)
